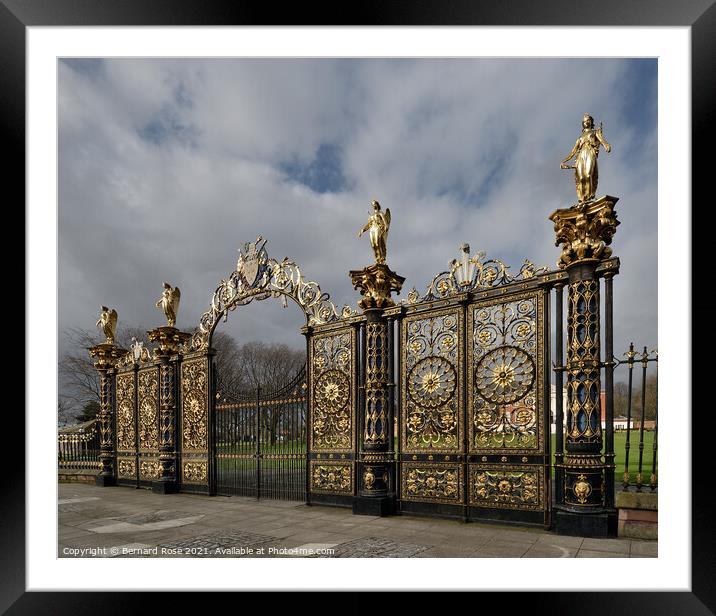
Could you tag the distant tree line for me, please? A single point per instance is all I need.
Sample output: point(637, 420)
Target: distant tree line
point(621, 397)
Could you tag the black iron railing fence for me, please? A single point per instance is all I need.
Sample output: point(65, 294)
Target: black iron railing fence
point(640, 420)
point(261, 441)
point(78, 447)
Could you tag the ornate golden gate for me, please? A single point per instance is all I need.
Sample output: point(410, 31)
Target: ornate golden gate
point(474, 394)
point(437, 405)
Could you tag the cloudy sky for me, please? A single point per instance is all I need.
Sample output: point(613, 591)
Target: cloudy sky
point(166, 167)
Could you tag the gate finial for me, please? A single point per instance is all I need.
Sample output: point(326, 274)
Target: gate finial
point(169, 302)
point(378, 225)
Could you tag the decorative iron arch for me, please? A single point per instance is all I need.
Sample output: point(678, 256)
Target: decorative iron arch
point(257, 277)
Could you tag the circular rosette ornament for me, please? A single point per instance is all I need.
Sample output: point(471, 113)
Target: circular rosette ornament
point(432, 382)
point(332, 391)
point(504, 375)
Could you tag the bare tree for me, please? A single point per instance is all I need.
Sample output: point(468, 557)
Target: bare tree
point(621, 399)
point(78, 379)
point(265, 366)
point(231, 378)
point(270, 365)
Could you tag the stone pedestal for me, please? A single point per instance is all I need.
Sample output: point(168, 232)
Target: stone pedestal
point(584, 231)
point(106, 354)
point(376, 460)
point(169, 338)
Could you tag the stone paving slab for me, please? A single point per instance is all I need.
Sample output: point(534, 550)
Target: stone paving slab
point(138, 522)
point(376, 547)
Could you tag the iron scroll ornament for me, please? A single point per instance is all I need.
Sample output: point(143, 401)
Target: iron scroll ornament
point(471, 274)
point(257, 277)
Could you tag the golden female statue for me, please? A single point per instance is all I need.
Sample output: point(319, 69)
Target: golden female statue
point(108, 322)
point(585, 153)
point(169, 302)
point(378, 225)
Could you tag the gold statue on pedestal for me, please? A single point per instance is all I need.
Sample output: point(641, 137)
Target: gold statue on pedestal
point(378, 225)
point(376, 282)
point(585, 153)
point(169, 302)
point(108, 323)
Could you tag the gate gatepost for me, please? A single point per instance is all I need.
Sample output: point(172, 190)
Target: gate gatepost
point(169, 338)
point(376, 458)
point(584, 506)
point(107, 354)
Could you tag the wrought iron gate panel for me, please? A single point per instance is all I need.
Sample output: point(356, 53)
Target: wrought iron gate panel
point(126, 425)
point(148, 424)
point(507, 420)
point(260, 441)
point(196, 405)
point(332, 384)
point(473, 422)
point(431, 421)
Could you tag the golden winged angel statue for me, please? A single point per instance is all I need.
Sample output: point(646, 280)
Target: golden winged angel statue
point(169, 302)
point(585, 153)
point(108, 323)
point(377, 225)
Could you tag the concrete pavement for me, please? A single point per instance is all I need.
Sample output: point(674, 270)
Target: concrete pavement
point(126, 522)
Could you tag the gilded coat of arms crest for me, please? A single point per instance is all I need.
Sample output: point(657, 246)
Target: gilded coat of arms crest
point(251, 258)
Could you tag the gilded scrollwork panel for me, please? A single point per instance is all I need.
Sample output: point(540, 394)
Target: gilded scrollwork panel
point(195, 470)
point(506, 374)
point(126, 429)
point(332, 477)
point(126, 468)
point(583, 362)
point(432, 483)
point(195, 396)
point(150, 469)
point(507, 486)
point(431, 382)
point(332, 358)
point(148, 401)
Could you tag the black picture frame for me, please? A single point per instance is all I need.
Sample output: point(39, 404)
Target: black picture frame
point(700, 15)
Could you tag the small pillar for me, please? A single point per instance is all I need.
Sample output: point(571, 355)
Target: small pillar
point(376, 461)
point(106, 354)
point(583, 508)
point(169, 338)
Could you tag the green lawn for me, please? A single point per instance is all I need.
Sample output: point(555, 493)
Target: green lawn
point(620, 451)
point(287, 447)
point(300, 446)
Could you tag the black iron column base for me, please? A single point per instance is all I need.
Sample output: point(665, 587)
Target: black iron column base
point(381, 506)
point(105, 481)
point(601, 523)
point(165, 487)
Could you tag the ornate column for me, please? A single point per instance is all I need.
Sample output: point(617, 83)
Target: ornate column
point(376, 462)
point(583, 506)
point(107, 354)
point(169, 338)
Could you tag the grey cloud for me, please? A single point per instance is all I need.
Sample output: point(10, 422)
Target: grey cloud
point(460, 150)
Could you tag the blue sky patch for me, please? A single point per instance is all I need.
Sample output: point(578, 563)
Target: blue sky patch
point(323, 174)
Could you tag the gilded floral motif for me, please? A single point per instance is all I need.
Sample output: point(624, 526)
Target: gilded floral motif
point(332, 422)
point(127, 468)
point(504, 406)
point(428, 483)
point(516, 488)
point(337, 478)
point(194, 387)
point(126, 432)
point(148, 394)
point(150, 469)
point(194, 471)
point(430, 413)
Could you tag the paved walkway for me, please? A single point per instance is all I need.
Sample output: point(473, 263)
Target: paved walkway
point(126, 522)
